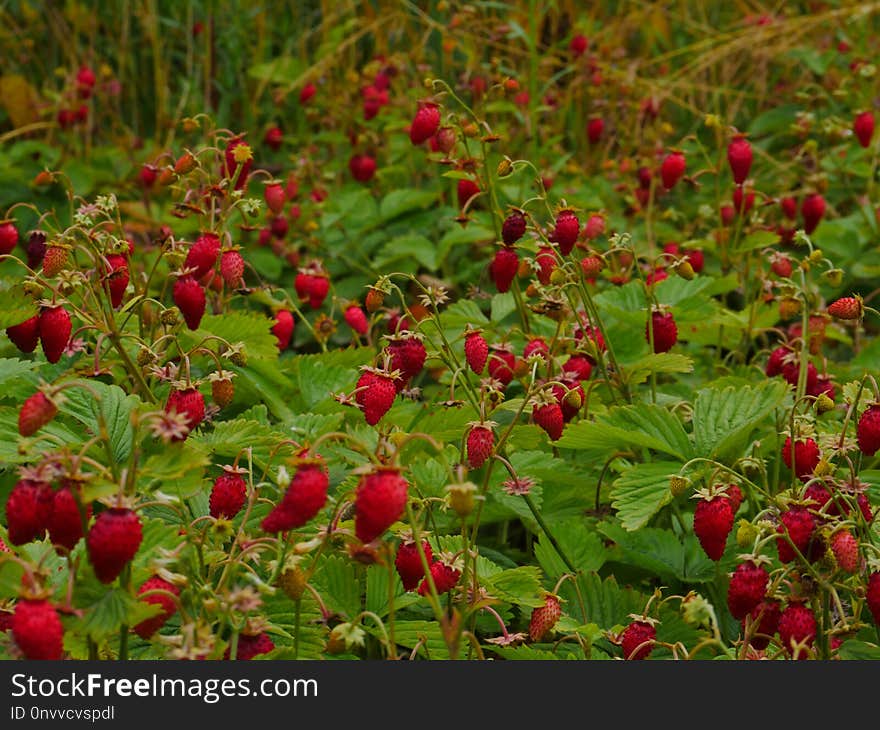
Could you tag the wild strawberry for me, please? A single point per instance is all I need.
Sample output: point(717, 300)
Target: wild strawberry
point(655, 276)
point(713, 521)
point(275, 197)
point(158, 592)
point(766, 614)
point(190, 298)
point(28, 508)
point(231, 267)
point(444, 140)
point(578, 45)
point(805, 455)
point(637, 640)
point(868, 430)
point(113, 541)
point(664, 330)
point(566, 230)
point(595, 127)
point(476, 351)
point(578, 366)
point(445, 578)
point(55, 329)
point(536, 346)
point(513, 228)
point(304, 498)
point(594, 227)
point(283, 328)
point(37, 630)
point(546, 261)
point(672, 169)
point(735, 495)
point(743, 199)
point(748, 586)
point(306, 93)
point(202, 255)
point(846, 308)
point(409, 564)
point(781, 265)
point(846, 550)
point(55, 260)
point(789, 207)
point(362, 167)
point(812, 210)
point(544, 618)
point(85, 80)
point(251, 646)
point(8, 237)
point(65, 521)
point(379, 502)
point(274, 137)
point(408, 355)
point(222, 391)
point(797, 627)
point(872, 596)
point(375, 394)
point(228, 495)
point(357, 319)
point(25, 335)
point(864, 506)
point(35, 413)
point(232, 165)
point(190, 402)
point(117, 278)
point(570, 396)
point(739, 157)
point(863, 127)
point(480, 442)
point(799, 525)
point(465, 190)
point(374, 300)
point(818, 496)
point(425, 123)
point(501, 363)
point(312, 285)
point(791, 372)
point(503, 268)
point(549, 417)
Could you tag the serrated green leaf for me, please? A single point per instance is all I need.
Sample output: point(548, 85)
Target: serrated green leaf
point(758, 239)
point(253, 330)
point(658, 362)
point(502, 306)
point(521, 586)
point(12, 369)
point(403, 252)
point(17, 306)
point(339, 586)
point(116, 608)
point(580, 544)
point(602, 602)
point(641, 491)
point(398, 202)
point(98, 404)
point(377, 591)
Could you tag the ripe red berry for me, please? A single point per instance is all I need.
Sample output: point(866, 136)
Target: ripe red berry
point(356, 318)
point(28, 508)
point(872, 596)
point(789, 207)
point(379, 502)
point(275, 197)
point(55, 260)
point(480, 441)
point(748, 586)
point(37, 630)
point(637, 640)
point(546, 260)
point(544, 618)
point(191, 403)
point(713, 521)
point(228, 495)
point(781, 266)
point(190, 299)
point(55, 329)
point(231, 165)
point(513, 228)
point(25, 335)
point(868, 430)
point(846, 550)
point(8, 237)
point(766, 614)
point(362, 167)
point(445, 578)
point(743, 199)
point(203, 253)
point(113, 541)
point(304, 498)
point(375, 395)
point(312, 286)
point(408, 355)
point(35, 413)
point(251, 646)
point(549, 417)
point(476, 351)
point(444, 140)
point(283, 328)
point(117, 278)
point(425, 123)
point(665, 331)
point(65, 522)
point(274, 137)
point(846, 308)
point(231, 267)
point(578, 366)
point(863, 127)
point(306, 93)
point(578, 45)
point(594, 227)
point(672, 169)
point(799, 525)
point(739, 157)
point(503, 268)
point(595, 127)
point(797, 627)
point(805, 457)
point(735, 495)
point(158, 592)
point(465, 190)
point(409, 564)
point(501, 363)
point(566, 230)
point(812, 210)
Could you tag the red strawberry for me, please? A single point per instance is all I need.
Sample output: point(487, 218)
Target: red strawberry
point(445, 578)
point(408, 355)
point(425, 123)
point(797, 626)
point(812, 210)
point(409, 564)
point(375, 395)
point(379, 502)
point(566, 230)
point(595, 127)
point(864, 506)
point(283, 328)
point(55, 260)
point(546, 261)
point(251, 646)
point(28, 508)
point(37, 630)
point(570, 396)
point(637, 640)
point(444, 140)
point(513, 228)
point(776, 361)
point(544, 617)
point(190, 402)
point(357, 319)
point(231, 267)
point(231, 165)
point(656, 276)
point(117, 278)
point(672, 169)
point(65, 522)
point(85, 80)
point(549, 417)
point(781, 266)
point(275, 197)
point(594, 227)
point(799, 524)
point(480, 441)
point(279, 227)
point(304, 498)
point(789, 207)
point(747, 588)
point(274, 137)
point(806, 457)
point(872, 596)
point(306, 93)
point(578, 45)
point(35, 413)
point(743, 199)
point(190, 298)
point(592, 266)
point(846, 550)
point(578, 366)
point(847, 308)
point(501, 363)
point(476, 351)
point(664, 330)
point(202, 255)
point(465, 190)
point(735, 495)
point(313, 285)
point(819, 496)
point(766, 614)
point(113, 541)
point(362, 167)
point(713, 521)
point(228, 495)
point(739, 157)
point(8, 237)
point(222, 391)
point(503, 268)
point(591, 334)
point(26, 335)
point(536, 346)
point(159, 592)
point(863, 127)
point(791, 372)
point(868, 430)
point(55, 329)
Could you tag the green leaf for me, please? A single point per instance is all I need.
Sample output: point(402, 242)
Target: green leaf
point(580, 544)
point(658, 362)
point(458, 236)
point(177, 470)
point(401, 251)
point(502, 306)
point(339, 586)
point(99, 402)
point(377, 591)
point(641, 491)
point(281, 70)
point(521, 586)
point(409, 634)
point(522, 653)
point(116, 608)
point(723, 418)
point(229, 438)
point(398, 202)
point(858, 650)
point(253, 330)
point(17, 306)
point(12, 368)
point(604, 602)
point(758, 239)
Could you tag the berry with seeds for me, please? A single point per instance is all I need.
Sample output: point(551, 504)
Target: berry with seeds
point(203, 254)
point(503, 268)
point(445, 578)
point(228, 495)
point(550, 418)
point(863, 127)
point(190, 299)
point(476, 351)
point(8, 237)
point(156, 591)
point(55, 329)
point(799, 525)
point(566, 230)
point(113, 541)
point(35, 413)
point(190, 402)
point(304, 498)
point(672, 169)
point(544, 618)
point(480, 442)
point(283, 328)
point(251, 646)
point(804, 455)
point(362, 167)
point(847, 308)
point(578, 366)
point(37, 630)
point(812, 210)
point(662, 326)
point(409, 564)
point(513, 228)
point(231, 267)
point(766, 614)
point(65, 521)
point(425, 123)
point(501, 363)
point(846, 550)
point(713, 521)
point(868, 430)
point(748, 586)
point(872, 596)
point(739, 157)
point(28, 508)
point(117, 278)
point(375, 395)
point(797, 628)
point(380, 501)
point(637, 640)
point(356, 318)
point(25, 335)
